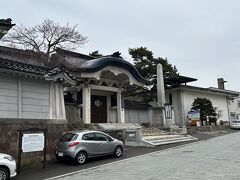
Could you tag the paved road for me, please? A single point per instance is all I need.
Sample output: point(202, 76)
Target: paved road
point(55, 168)
point(214, 159)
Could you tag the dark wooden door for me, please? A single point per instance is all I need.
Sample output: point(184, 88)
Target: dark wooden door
point(98, 109)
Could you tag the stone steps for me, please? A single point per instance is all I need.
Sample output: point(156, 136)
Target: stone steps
point(166, 139)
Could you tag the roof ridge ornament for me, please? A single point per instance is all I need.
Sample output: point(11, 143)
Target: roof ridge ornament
point(116, 54)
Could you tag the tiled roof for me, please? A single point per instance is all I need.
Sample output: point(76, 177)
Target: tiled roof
point(22, 67)
point(208, 90)
point(95, 65)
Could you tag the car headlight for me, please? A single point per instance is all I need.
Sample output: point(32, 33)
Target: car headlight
point(10, 158)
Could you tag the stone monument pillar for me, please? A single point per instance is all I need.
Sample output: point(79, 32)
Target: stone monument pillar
point(161, 93)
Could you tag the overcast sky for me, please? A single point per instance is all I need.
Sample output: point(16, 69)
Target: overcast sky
point(202, 38)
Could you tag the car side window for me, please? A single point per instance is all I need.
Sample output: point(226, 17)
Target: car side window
point(89, 137)
point(102, 137)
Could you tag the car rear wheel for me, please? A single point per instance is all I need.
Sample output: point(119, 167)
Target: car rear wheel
point(4, 174)
point(58, 158)
point(81, 157)
point(118, 151)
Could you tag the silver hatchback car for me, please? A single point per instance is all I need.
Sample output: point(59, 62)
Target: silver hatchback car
point(80, 145)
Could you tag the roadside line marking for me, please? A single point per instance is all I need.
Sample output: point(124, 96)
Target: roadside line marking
point(163, 150)
point(76, 172)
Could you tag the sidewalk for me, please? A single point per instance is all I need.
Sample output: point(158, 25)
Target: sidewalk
point(55, 168)
point(215, 159)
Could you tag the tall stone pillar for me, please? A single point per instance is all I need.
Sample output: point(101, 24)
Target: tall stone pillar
point(161, 93)
point(160, 86)
point(120, 110)
point(86, 105)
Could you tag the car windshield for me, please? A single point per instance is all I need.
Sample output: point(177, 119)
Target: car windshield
point(68, 137)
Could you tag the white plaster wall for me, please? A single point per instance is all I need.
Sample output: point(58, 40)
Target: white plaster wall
point(112, 118)
point(35, 99)
point(182, 100)
point(8, 97)
point(233, 106)
point(30, 98)
point(176, 105)
point(218, 101)
point(57, 106)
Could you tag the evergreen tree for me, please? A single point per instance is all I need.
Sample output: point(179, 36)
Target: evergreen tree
point(146, 64)
point(205, 107)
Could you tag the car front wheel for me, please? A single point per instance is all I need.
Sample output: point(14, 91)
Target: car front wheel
point(4, 174)
point(81, 157)
point(118, 151)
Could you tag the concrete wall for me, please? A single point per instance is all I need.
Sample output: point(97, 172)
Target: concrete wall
point(152, 116)
point(234, 108)
point(112, 115)
point(9, 137)
point(136, 116)
point(73, 115)
point(30, 103)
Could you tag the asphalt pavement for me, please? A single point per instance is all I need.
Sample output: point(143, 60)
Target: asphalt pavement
point(215, 159)
point(55, 168)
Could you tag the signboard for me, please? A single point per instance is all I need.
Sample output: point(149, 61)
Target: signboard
point(194, 118)
point(194, 115)
point(168, 111)
point(33, 142)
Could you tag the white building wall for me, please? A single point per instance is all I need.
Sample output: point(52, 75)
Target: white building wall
point(234, 108)
point(176, 105)
point(182, 100)
point(30, 98)
point(218, 101)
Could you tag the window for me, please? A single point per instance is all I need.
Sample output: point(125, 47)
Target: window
point(89, 137)
point(238, 104)
point(68, 137)
point(102, 137)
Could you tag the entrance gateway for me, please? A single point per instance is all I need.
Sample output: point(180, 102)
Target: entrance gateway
point(91, 82)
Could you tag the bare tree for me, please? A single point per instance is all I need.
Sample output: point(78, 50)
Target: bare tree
point(45, 38)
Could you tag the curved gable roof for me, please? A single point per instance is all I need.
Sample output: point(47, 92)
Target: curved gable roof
point(100, 63)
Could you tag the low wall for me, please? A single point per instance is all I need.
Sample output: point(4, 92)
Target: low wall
point(73, 114)
point(9, 136)
point(151, 116)
point(195, 129)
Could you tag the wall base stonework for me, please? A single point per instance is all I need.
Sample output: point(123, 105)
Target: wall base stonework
point(9, 136)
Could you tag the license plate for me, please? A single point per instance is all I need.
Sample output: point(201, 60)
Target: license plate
point(60, 154)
